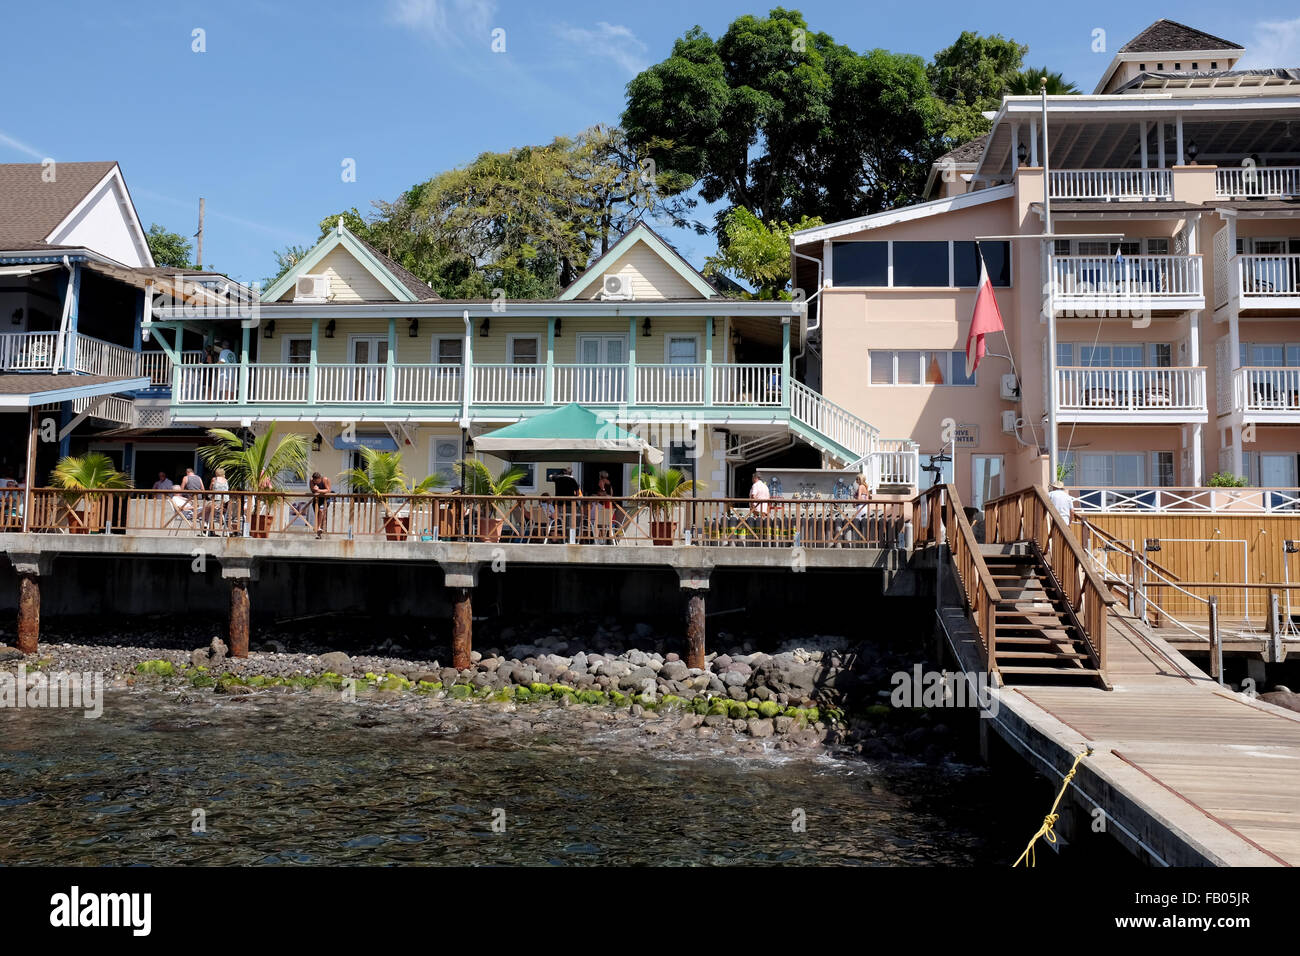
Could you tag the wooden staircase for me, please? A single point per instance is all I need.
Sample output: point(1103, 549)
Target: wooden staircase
point(1037, 637)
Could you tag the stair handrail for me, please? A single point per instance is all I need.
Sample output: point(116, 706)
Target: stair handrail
point(944, 509)
point(1028, 515)
point(801, 395)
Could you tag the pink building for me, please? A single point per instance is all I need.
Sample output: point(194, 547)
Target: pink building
point(1169, 282)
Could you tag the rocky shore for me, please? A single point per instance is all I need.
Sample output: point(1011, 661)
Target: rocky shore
point(803, 694)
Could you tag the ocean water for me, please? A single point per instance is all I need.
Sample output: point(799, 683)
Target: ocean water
point(303, 780)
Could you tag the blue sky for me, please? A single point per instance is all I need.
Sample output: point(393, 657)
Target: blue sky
point(261, 122)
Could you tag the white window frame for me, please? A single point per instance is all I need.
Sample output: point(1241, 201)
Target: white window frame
point(514, 337)
point(601, 337)
point(284, 348)
point(433, 453)
point(433, 350)
point(895, 383)
point(355, 337)
point(699, 351)
point(952, 266)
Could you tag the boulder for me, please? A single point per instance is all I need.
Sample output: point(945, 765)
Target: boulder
point(336, 662)
point(761, 727)
point(784, 675)
point(217, 650)
point(673, 670)
point(1282, 698)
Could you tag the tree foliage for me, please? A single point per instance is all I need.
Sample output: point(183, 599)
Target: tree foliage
point(756, 251)
point(1028, 82)
point(169, 249)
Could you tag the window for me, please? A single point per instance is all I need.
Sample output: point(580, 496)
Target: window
point(297, 349)
point(1158, 246)
point(942, 470)
point(860, 263)
point(1214, 64)
point(529, 481)
point(1114, 354)
point(681, 349)
point(1178, 66)
point(443, 454)
point(1160, 355)
point(1196, 66)
point(909, 367)
point(1142, 67)
point(1064, 354)
point(1163, 462)
point(449, 351)
point(1126, 469)
point(524, 349)
point(682, 456)
point(935, 264)
point(1270, 469)
point(986, 479)
point(921, 264)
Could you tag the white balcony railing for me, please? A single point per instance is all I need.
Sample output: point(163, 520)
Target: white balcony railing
point(747, 384)
point(350, 384)
point(1260, 389)
point(97, 357)
point(1111, 184)
point(1127, 278)
point(836, 423)
point(509, 384)
point(670, 384)
point(895, 461)
point(28, 351)
point(591, 384)
point(1257, 182)
point(208, 384)
point(277, 383)
point(428, 384)
point(1113, 391)
point(35, 352)
point(1266, 278)
point(158, 366)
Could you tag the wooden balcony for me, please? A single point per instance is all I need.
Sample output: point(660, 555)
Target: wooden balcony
point(1131, 395)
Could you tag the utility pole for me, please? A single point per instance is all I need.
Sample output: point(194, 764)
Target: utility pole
point(199, 236)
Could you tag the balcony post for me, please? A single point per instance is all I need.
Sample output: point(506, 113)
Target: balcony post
point(631, 361)
point(708, 362)
point(786, 371)
point(243, 363)
point(548, 396)
point(311, 368)
point(390, 364)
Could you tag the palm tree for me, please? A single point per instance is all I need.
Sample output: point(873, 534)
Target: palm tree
point(77, 476)
point(257, 466)
point(1029, 82)
point(669, 483)
point(381, 477)
point(476, 479)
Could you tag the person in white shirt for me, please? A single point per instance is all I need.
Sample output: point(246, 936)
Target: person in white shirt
point(759, 495)
point(1062, 500)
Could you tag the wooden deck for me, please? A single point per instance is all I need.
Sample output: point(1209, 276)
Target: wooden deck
point(1187, 772)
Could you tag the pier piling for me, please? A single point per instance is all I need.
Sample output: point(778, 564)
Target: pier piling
point(695, 584)
point(30, 568)
point(461, 579)
point(239, 572)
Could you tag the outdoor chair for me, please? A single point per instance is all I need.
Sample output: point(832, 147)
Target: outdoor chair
point(184, 515)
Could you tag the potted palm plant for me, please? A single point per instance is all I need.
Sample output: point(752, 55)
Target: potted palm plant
point(658, 487)
point(79, 478)
point(381, 477)
point(476, 479)
point(259, 466)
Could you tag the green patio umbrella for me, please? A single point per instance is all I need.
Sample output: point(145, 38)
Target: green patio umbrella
point(571, 432)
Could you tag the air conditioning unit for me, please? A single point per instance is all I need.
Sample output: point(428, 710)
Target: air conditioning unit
point(1010, 388)
point(1009, 422)
point(312, 288)
point(617, 287)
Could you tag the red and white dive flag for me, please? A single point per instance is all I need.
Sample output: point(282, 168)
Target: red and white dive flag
point(983, 321)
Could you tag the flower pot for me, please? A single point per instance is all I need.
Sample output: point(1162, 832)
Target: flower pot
point(397, 528)
point(662, 532)
point(78, 523)
point(489, 529)
point(259, 526)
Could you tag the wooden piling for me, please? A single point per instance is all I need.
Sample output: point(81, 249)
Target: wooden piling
point(462, 628)
point(695, 629)
point(29, 612)
point(238, 617)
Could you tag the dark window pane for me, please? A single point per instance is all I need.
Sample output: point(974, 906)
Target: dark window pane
point(920, 264)
point(966, 267)
point(859, 263)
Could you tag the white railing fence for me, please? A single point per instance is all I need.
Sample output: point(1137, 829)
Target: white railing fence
point(1261, 500)
point(1111, 184)
point(428, 384)
point(1127, 276)
point(1268, 275)
point(1256, 389)
point(1257, 182)
point(591, 384)
point(1131, 389)
point(509, 384)
point(670, 384)
point(837, 424)
point(747, 384)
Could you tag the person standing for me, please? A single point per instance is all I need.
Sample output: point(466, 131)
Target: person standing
point(227, 359)
point(321, 489)
point(566, 489)
point(1062, 500)
point(163, 483)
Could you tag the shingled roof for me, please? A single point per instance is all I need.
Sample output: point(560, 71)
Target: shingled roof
point(403, 275)
point(31, 207)
point(1169, 36)
point(968, 152)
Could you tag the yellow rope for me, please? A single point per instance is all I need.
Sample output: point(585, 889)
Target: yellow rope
point(1049, 821)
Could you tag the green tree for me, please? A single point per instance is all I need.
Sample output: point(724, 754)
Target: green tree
point(757, 252)
point(785, 122)
point(169, 248)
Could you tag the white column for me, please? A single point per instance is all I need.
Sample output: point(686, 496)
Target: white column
point(1160, 144)
point(1033, 142)
point(1182, 159)
point(1198, 455)
point(1015, 146)
point(1142, 132)
point(1237, 457)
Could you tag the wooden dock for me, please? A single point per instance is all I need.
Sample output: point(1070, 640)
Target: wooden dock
point(1185, 772)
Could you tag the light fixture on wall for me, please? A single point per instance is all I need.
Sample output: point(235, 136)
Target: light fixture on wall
point(329, 329)
point(413, 330)
point(1192, 150)
point(318, 441)
point(645, 327)
point(269, 329)
point(1021, 153)
point(735, 338)
point(17, 317)
point(485, 327)
point(559, 325)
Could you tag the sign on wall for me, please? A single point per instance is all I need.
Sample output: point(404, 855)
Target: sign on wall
point(967, 436)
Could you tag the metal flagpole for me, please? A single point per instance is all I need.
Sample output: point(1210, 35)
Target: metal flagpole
point(1053, 442)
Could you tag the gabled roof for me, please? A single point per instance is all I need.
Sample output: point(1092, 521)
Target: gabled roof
point(44, 204)
point(1170, 36)
point(405, 285)
point(640, 233)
